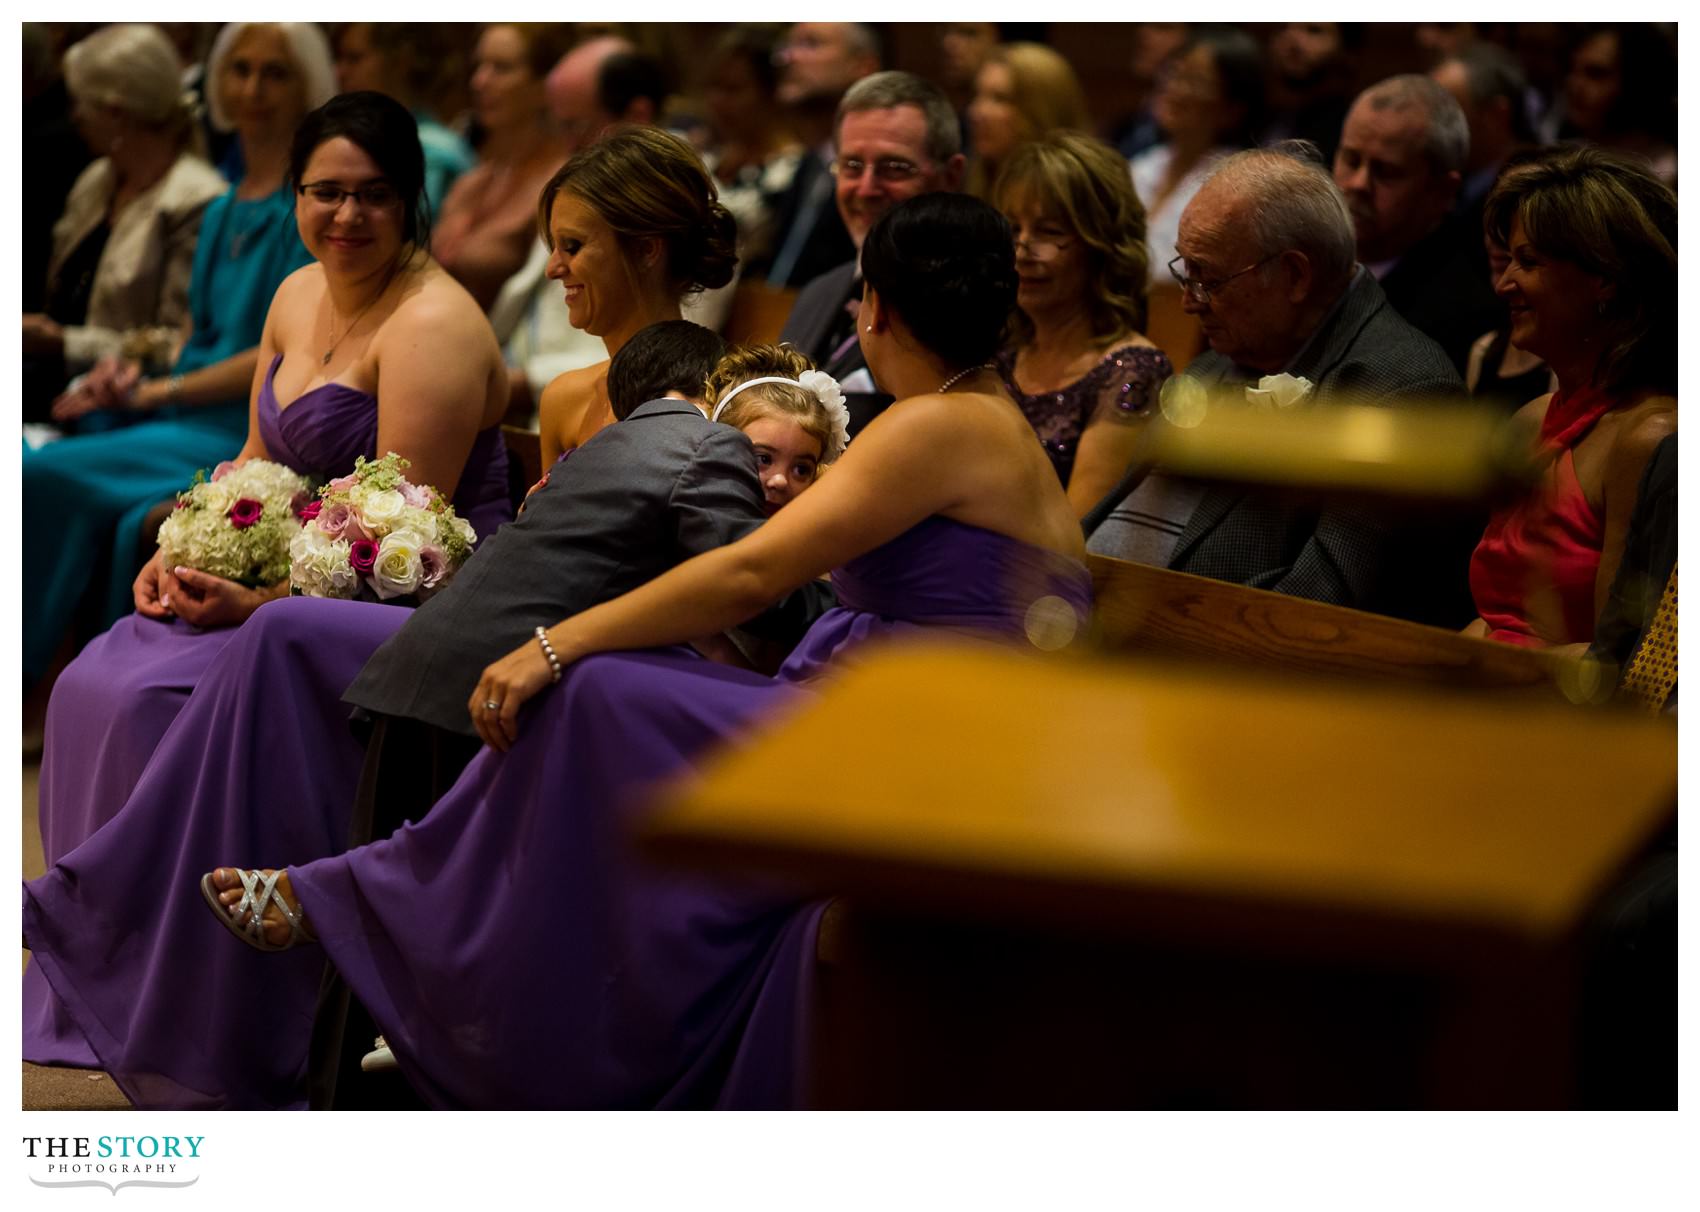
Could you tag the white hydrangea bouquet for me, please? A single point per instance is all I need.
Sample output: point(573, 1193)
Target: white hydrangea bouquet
point(372, 534)
point(238, 523)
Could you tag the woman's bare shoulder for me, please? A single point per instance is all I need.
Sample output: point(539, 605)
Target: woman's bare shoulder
point(568, 398)
point(296, 298)
point(1644, 424)
point(435, 307)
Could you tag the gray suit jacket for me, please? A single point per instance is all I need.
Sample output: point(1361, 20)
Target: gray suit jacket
point(1350, 555)
point(810, 328)
point(641, 496)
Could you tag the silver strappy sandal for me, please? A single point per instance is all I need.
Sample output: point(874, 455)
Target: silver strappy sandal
point(258, 890)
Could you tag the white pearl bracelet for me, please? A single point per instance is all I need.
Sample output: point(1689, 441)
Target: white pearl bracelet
point(549, 652)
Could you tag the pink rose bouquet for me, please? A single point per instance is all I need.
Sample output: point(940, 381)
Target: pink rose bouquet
point(238, 523)
point(372, 534)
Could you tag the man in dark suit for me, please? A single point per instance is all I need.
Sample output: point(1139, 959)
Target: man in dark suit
point(1492, 90)
point(1268, 266)
point(818, 61)
point(1400, 161)
point(896, 138)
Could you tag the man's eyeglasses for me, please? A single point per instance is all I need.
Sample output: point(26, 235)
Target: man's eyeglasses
point(1200, 289)
point(370, 197)
point(887, 169)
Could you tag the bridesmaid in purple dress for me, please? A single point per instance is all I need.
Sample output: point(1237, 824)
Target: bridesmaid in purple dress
point(373, 348)
point(512, 952)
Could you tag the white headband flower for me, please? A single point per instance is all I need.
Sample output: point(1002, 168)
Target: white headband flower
point(824, 388)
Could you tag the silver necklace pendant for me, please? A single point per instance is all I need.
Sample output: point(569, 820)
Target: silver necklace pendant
point(326, 360)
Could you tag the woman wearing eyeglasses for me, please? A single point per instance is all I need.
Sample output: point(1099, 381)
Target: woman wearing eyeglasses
point(373, 348)
point(1209, 103)
point(1076, 361)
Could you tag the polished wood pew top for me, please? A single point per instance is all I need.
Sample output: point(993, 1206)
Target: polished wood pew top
point(1143, 609)
point(1191, 803)
point(1439, 450)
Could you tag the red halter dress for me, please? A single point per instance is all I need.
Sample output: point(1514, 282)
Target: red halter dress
point(1534, 571)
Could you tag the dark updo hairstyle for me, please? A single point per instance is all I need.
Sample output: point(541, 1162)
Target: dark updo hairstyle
point(945, 262)
point(1611, 217)
point(381, 127)
point(648, 184)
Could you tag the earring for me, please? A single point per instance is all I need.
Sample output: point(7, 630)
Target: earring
point(1600, 308)
point(870, 328)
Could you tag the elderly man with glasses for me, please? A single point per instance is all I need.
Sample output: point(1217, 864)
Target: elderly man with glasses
point(896, 137)
point(1268, 265)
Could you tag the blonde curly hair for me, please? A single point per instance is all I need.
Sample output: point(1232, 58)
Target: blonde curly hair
point(788, 400)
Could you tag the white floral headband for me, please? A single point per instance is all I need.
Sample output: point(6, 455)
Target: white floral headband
point(825, 389)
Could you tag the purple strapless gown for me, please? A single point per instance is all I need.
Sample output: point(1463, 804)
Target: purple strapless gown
point(114, 702)
point(513, 953)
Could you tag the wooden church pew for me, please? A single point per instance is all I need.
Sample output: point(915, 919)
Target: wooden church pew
point(1144, 610)
point(1097, 883)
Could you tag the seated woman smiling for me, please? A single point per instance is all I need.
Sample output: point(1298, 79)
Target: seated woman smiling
point(1591, 285)
point(371, 349)
point(1075, 359)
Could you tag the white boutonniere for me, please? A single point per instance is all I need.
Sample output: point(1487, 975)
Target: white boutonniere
point(1274, 392)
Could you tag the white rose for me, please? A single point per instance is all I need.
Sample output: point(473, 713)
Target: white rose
point(1279, 391)
point(217, 496)
point(464, 529)
point(397, 570)
point(382, 510)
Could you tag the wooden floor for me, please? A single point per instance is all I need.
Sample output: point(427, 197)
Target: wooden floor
point(48, 1089)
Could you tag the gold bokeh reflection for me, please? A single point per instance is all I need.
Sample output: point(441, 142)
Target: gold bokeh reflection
point(1050, 623)
point(1184, 402)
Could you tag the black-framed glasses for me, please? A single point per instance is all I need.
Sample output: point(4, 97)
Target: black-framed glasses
point(1201, 290)
point(888, 169)
point(377, 196)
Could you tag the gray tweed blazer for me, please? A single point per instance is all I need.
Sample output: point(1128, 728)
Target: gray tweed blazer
point(641, 496)
point(1349, 555)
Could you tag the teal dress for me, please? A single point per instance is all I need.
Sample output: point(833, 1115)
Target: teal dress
point(447, 156)
point(85, 497)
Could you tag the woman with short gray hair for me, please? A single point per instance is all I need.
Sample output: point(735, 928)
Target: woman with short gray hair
point(118, 276)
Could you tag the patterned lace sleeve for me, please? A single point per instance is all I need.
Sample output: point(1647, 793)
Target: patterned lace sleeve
point(1136, 374)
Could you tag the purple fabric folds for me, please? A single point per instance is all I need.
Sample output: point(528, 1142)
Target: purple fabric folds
point(517, 955)
point(115, 700)
point(513, 949)
point(129, 972)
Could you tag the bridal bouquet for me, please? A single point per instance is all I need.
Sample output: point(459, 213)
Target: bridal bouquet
point(372, 534)
point(238, 523)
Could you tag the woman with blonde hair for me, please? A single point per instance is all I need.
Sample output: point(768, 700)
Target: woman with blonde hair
point(633, 224)
point(1076, 361)
point(118, 276)
point(1023, 91)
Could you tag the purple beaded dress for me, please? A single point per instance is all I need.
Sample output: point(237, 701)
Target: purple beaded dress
point(512, 950)
point(1121, 387)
